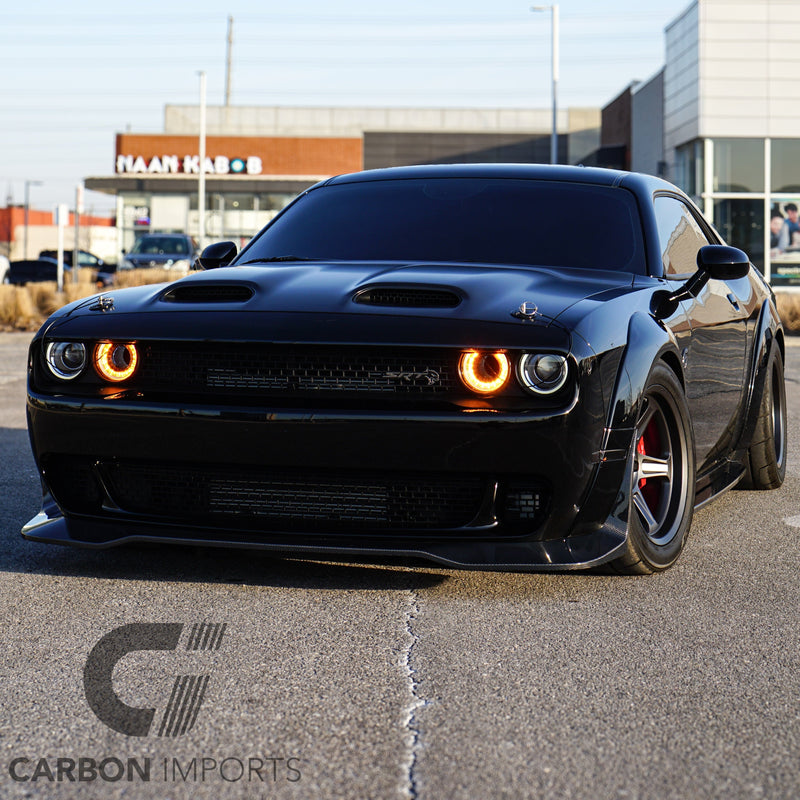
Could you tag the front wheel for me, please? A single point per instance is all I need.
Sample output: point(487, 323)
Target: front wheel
point(663, 481)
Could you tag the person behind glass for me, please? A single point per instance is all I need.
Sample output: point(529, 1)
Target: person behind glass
point(791, 226)
point(775, 228)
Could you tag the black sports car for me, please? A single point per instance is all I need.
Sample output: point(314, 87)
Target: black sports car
point(508, 367)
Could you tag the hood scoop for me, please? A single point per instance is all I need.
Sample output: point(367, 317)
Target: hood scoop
point(210, 293)
point(407, 297)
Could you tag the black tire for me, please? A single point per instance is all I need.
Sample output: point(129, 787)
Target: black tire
point(663, 481)
point(765, 464)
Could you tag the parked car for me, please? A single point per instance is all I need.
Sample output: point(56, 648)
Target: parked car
point(512, 367)
point(173, 251)
point(104, 271)
point(45, 268)
point(33, 270)
point(85, 259)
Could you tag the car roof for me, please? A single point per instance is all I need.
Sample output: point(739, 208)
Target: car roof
point(639, 183)
point(539, 172)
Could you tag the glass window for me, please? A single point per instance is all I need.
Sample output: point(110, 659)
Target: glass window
point(212, 201)
point(738, 165)
point(158, 245)
point(741, 224)
point(274, 201)
point(786, 165)
point(479, 220)
point(680, 236)
point(689, 167)
point(239, 202)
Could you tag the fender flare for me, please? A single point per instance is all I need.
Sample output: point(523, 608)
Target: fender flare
point(768, 335)
point(649, 341)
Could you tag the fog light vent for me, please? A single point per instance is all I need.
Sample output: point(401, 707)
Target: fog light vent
point(523, 504)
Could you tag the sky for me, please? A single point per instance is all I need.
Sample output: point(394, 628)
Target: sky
point(74, 75)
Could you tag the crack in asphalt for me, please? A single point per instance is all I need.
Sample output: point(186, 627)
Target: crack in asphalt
point(416, 702)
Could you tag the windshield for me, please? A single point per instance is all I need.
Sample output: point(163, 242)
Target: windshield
point(480, 220)
point(157, 245)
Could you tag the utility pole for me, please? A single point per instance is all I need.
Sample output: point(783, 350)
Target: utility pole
point(28, 185)
point(554, 47)
point(76, 250)
point(228, 58)
point(201, 181)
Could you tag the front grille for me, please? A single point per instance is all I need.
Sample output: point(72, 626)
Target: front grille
point(296, 371)
point(213, 293)
point(408, 297)
point(289, 500)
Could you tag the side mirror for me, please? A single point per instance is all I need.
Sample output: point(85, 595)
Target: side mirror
point(714, 262)
point(723, 263)
point(219, 254)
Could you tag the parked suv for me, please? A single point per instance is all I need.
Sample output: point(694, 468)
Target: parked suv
point(162, 250)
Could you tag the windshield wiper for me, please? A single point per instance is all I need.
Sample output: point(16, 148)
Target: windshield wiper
point(273, 259)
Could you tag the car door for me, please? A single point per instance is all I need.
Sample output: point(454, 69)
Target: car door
point(714, 355)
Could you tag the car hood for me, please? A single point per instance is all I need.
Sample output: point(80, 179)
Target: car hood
point(369, 296)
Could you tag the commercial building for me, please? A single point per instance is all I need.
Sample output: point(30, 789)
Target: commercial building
point(23, 235)
point(722, 121)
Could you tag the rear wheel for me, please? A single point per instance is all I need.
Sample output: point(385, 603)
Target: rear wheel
point(766, 459)
point(662, 492)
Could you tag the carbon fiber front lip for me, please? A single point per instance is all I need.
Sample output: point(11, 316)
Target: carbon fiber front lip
point(576, 552)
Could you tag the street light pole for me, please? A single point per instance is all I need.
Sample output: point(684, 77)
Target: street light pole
point(201, 181)
point(554, 48)
point(28, 185)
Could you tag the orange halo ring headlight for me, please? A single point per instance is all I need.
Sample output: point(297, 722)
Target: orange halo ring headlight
point(484, 372)
point(114, 361)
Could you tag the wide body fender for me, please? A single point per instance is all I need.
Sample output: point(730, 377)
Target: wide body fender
point(768, 335)
point(648, 341)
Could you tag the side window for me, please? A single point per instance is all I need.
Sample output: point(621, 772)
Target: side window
point(680, 236)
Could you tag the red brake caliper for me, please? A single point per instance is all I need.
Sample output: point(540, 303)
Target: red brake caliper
point(641, 451)
point(649, 444)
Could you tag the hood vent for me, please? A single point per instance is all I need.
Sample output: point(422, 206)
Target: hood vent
point(407, 297)
point(212, 293)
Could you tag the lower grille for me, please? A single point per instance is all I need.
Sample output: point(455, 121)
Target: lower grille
point(294, 500)
point(286, 501)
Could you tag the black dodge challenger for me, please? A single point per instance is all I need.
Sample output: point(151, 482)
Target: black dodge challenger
point(490, 366)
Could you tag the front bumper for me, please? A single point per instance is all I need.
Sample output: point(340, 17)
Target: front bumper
point(578, 469)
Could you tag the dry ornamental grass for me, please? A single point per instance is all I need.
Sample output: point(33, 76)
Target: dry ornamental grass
point(789, 310)
point(26, 307)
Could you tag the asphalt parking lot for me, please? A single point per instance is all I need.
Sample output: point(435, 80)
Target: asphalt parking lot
point(334, 680)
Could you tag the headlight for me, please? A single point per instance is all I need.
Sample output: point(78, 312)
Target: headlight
point(542, 373)
point(115, 362)
point(181, 263)
point(66, 360)
point(484, 372)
